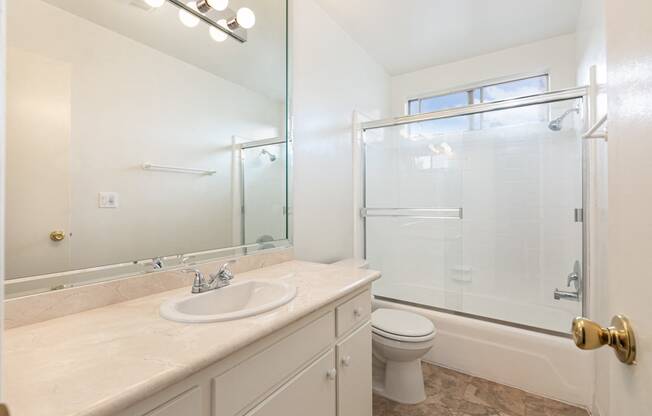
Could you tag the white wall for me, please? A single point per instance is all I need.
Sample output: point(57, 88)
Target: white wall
point(555, 56)
point(332, 77)
point(132, 104)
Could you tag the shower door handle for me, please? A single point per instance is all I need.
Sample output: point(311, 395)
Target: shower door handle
point(589, 335)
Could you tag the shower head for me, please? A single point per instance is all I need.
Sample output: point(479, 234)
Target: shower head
point(556, 124)
point(271, 156)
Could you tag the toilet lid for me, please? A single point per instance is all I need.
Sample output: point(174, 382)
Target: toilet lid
point(401, 323)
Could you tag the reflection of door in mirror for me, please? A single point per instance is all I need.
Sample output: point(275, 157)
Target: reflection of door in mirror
point(38, 171)
point(263, 193)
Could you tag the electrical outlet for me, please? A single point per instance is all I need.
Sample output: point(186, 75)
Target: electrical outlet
point(108, 200)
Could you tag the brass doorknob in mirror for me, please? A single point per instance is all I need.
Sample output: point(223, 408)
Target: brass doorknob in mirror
point(588, 335)
point(57, 235)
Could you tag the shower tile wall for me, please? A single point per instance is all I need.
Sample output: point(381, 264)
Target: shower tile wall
point(518, 186)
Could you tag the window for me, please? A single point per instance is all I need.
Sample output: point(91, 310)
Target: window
point(484, 94)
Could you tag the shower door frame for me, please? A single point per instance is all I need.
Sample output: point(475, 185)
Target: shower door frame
point(584, 93)
point(252, 145)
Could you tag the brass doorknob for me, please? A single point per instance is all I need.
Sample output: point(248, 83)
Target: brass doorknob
point(57, 235)
point(588, 335)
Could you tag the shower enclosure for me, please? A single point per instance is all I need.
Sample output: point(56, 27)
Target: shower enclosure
point(478, 210)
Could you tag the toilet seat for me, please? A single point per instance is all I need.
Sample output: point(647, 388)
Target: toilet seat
point(402, 338)
point(401, 326)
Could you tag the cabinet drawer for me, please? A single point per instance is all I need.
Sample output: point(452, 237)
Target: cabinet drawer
point(187, 404)
point(241, 387)
point(353, 313)
point(312, 392)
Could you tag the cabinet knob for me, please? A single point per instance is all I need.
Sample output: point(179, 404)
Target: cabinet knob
point(346, 361)
point(357, 312)
point(331, 374)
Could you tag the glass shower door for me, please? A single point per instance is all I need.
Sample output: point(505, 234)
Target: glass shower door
point(515, 178)
point(413, 200)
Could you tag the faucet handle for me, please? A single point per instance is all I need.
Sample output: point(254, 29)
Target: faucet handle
point(199, 282)
point(225, 273)
point(573, 278)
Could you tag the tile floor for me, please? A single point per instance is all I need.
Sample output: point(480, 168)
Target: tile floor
point(455, 394)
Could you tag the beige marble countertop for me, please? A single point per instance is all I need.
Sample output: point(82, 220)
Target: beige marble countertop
point(104, 360)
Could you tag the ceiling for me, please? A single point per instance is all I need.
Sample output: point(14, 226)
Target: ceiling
point(414, 34)
point(258, 64)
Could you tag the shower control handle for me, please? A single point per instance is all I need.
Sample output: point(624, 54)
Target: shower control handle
point(589, 335)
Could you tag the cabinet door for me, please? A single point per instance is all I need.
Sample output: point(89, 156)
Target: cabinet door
point(354, 395)
point(187, 404)
point(311, 392)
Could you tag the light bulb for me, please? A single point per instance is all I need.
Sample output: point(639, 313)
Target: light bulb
point(155, 3)
point(216, 34)
point(218, 4)
point(245, 18)
point(186, 18)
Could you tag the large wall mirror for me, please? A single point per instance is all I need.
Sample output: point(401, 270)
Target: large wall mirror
point(141, 135)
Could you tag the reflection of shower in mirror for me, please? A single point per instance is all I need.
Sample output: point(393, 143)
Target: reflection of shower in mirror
point(272, 157)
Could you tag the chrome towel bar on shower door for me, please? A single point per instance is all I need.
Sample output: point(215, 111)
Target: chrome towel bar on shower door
point(419, 213)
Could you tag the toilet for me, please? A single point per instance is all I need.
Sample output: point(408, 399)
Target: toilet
point(400, 340)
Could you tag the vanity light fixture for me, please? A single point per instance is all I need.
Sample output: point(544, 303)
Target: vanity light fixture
point(216, 34)
point(188, 19)
point(244, 18)
point(206, 6)
point(223, 22)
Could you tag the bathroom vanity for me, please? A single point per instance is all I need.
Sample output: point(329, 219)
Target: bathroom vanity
point(310, 356)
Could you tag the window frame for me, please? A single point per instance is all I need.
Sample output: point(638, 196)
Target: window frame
point(475, 122)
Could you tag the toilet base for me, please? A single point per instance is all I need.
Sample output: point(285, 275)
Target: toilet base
point(401, 382)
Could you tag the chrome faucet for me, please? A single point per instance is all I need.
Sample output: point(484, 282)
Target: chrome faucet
point(157, 263)
point(574, 280)
point(218, 280)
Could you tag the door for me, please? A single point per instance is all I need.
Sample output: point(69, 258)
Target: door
point(354, 374)
point(38, 163)
point(625, 390)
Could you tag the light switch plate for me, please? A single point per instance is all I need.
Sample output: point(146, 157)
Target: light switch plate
point(109, 200)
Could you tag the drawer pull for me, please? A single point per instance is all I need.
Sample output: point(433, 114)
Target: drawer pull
point(331, 374)
point(357, 312)
point(346, 361)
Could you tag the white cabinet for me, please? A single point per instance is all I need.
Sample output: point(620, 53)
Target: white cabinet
point(187, 404)
point(246, 384)
point(354, 396)
point(317, 366)
point(312, 392)
point(353, 312)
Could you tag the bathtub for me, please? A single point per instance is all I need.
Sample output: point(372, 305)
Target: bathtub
point(552, 317)
point(542, 364)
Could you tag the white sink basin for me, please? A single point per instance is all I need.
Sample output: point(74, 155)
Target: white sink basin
point(228, 303)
